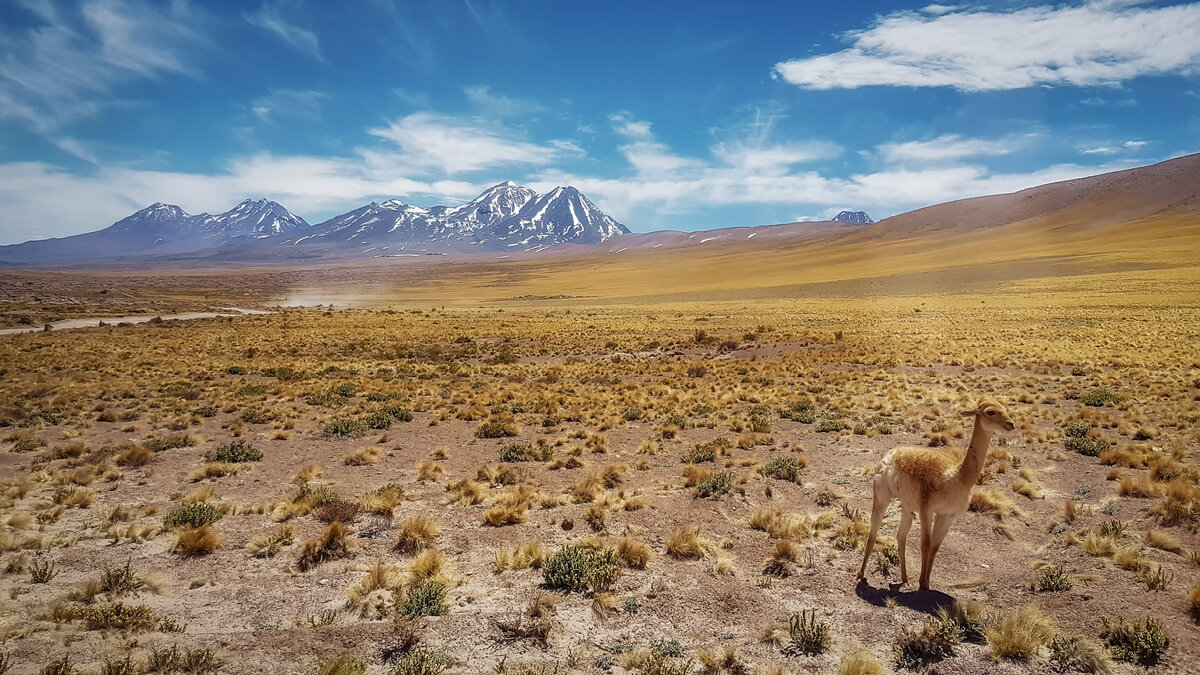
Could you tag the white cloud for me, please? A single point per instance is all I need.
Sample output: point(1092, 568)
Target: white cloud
point(951, 146)
point(453, 145)
point(977, 50)
point(271, 18)
point(491, 104)
point(70, 67)
point(1113, 149)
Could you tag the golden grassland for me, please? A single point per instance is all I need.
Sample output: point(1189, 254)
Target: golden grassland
point(637, 481)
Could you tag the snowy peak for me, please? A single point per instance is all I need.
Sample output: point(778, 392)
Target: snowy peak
point(503, 217)
point(860, 217)
point(261, 218)
point(498, 202)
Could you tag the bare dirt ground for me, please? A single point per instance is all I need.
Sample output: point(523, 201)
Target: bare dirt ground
point(110, 433)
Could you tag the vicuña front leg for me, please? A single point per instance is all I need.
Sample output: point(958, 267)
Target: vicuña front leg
point(878, 508)
point(940, 528)
point(906, 518)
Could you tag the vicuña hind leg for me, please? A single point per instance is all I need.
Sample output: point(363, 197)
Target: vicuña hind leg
point(940, 528)
point(906, 518)
point(926, 546)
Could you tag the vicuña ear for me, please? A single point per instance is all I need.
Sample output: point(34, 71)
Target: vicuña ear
point(969, 413)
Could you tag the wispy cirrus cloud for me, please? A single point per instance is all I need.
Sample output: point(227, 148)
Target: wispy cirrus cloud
point(288, 103)
point(493, 104)
point(271, 17)
point(953, 147)
point(72, 63)
point(1097, 43)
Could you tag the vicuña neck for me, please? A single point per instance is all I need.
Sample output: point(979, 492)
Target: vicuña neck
point(972, 466)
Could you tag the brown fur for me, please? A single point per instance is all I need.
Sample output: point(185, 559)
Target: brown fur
point(931, 466)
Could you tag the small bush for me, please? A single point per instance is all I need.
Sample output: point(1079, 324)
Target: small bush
point(496, 429)
point(573, 568)
point(806, 635)
point(701, 453)
point(932, 643)
point(1100, 397)
point(782, 468)
point(192, 515)
point(1052, 579)
point(1084, 445)
point(342, 664)
point(42, 572)
point(1141, 642)
point(421, 661)
point(119, 616)
point(1076, 654)
point(424, 598)
point(831, 424)
point(714, 486)
point(344, 427)
point(234, 453)
point(197, 541)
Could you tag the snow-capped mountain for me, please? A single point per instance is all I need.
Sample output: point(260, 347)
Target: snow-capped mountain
point(162, 229)
point(262, 218)
point(505, 217)
point(860, 217)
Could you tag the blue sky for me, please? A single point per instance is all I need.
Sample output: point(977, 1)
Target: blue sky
point(668, 115)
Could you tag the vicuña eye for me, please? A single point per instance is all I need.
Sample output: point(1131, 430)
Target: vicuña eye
point(991, 412)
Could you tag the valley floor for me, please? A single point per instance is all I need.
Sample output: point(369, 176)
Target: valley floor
point(172, 484)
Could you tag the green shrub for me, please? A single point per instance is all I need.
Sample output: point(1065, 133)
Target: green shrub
point(516, 452)
point(806, 635)
point(632, 414)
point(192, 515)
point(496, 429)
point(169, 443)
point(422, 661)
point(378, 420)
point(206, 411)
point(253, 390)
point(1070, 653)
point(1141, 642)
point(236, 452)
point(424, 598)
point(397, 413)
point(119, 616)
point(255, 417)
point(831, 424)
point(345, 390)
point(782, 468)
point(668, 648)
point(322, 495)
point(1077, 429)
point(235, 370)
point(704, 452)
point(802, 411)
point(1100, 397)
point(932, 643)
point(1089, 447)
point(573, 568)
point(324, 399)
point(1052, 579)
point(344, 427)
point(715, 485)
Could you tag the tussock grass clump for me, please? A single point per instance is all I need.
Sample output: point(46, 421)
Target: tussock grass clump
point(172, 660)
point(859, 662)
point(342, 664)
point(416, 534)
point(422, 661)
point(465, 492)
point(1019, 634)
point(267, 546)
point(686, 542)
point(361, 457)
point(381, 501)
point(1141, 642)
point(346, 512)
point(520, 557)
point(633, 553)
point(198, 541)
point(333, 543)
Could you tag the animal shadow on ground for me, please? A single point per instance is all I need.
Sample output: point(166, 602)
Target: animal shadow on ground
point(922, 601)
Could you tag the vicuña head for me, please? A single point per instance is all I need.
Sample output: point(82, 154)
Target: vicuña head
point(932, 483)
